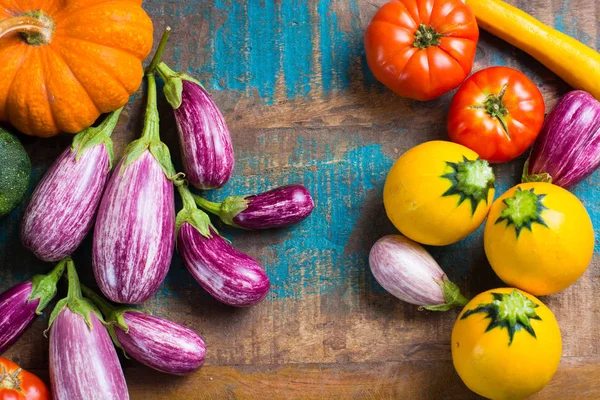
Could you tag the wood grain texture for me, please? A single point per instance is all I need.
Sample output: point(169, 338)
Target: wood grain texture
point(292, 82)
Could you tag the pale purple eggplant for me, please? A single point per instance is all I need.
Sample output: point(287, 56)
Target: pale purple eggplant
point(276, 208)
point(134, 234)
point(568, 147)
point(62, 208)
point(155, 342)
point(83, 359)
point(20, 304)
point(204, 139)
point(407, 271)
point(229, 275)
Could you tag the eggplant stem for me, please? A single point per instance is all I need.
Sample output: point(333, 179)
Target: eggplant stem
point(159, 51)
point(207, 205)
point(187, 197)
point(110, 121)
point(105, 307)
point(74, 291)
point(151, 119)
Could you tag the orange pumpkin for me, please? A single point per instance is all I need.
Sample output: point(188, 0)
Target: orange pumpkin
point(64, 62)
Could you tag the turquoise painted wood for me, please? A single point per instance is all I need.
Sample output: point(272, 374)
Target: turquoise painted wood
point(292, 81)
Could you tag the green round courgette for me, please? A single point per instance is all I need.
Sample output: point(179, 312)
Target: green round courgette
point(15, 169)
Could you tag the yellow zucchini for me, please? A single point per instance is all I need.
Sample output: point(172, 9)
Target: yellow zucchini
point(576, 63)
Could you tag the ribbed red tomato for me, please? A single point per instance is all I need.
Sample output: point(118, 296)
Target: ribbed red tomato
point(422, 49)
point(18, 384)
point(498, 112)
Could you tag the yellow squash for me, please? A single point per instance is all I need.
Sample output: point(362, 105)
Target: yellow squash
point(539, 238)
point(506, 344)
point(576, 63)
point(438, 192)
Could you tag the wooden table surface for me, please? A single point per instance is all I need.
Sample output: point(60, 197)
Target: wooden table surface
point(293, 84)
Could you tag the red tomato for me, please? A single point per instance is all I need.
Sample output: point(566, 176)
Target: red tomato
point(18, 384)
point(498, 112)
point(422, 49)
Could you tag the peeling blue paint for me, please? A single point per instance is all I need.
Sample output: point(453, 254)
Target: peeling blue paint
point(297, 41)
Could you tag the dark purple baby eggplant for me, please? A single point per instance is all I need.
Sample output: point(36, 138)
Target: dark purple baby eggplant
point(568, 147)
point(155, 342)
point(134, 235)
point(204, 139)
point(20, 305)
point(276, 208)
point(83, 359)
point(62, 208)
point(229, 275)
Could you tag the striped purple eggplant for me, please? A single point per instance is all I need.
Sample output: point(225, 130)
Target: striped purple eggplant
point(276, 208)
point(155, 342)
point(568, 147)
point(229, 275)
point(135, 228)
point(20, 304)
point(62, 208)
point(407, 271)
point(204, 139)
point(83, 359)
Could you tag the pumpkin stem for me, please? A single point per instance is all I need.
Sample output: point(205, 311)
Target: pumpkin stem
point(35, 27)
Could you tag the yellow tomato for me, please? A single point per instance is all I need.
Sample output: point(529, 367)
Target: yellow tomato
point(438, 192)
point(506, 344)
point(539, 238)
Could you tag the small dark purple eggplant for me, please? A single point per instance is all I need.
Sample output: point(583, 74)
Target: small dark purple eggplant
point(204, 139)
point(276, 208)
point(20, 304)
point(229, 275)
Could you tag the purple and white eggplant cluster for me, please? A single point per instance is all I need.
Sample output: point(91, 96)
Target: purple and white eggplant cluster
point(156, 342)
point(568, 147)
point(229, 275)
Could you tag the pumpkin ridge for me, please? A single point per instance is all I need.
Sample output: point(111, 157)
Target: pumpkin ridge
point(44, 73)
point(89, 61)
point(12, 83)
point(95, 63)
point(19, 51)
point(65, 11)
point(53, 53)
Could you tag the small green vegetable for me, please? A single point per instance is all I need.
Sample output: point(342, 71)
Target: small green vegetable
point(15, 168)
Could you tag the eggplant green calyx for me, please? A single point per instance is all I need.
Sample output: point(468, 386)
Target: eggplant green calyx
point(75, 300)
point(173, 88)
point(150, 139)
point(192, 215)
point(227, 210)
point(44, 286)
point(426, 36)
point(94, 136)
point(452, 296)
point(471, 180)
point(512, 311)
point(526, 177)
point(523, 210)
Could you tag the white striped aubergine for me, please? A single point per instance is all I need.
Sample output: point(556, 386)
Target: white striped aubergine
point(407, 271)
point(276, 208)
point(229, 275)
point(155, 342)
point(135, 231)
point(83, 361)
point(62, 208)
point(134, 235)
point(204, 139)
